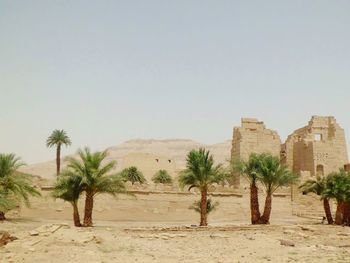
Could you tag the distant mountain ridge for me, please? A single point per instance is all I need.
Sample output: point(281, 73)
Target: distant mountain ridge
point(175, 149)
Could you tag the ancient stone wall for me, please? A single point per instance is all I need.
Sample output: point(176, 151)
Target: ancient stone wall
point(253, 137)
point(149, 164)
point(316, 149)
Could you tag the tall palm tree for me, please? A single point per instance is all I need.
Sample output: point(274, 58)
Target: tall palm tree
point(14, 186)
point(94, 171)
point(58, 138)
point(338, 188)
point(201, 173)
point(273, 175)
point(133, 175)
point(69, 188)
point(250, 170)
point(318, 187)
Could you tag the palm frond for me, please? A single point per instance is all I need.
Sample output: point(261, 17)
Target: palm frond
point(92, 172)
point(58, 137)
point(200, 170)
point(15, 186)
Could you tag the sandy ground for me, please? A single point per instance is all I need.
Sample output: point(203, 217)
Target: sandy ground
point(57, 241)
point(157, 228)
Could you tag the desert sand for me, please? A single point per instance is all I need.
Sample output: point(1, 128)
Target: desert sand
point(159, 227)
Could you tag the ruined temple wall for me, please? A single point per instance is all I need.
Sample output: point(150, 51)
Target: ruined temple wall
point(318, 148)
point(303, 156)
point(253, 137)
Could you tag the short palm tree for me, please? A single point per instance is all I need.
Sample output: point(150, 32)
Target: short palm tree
point(318, 187)
point(273, 175)
point(250, 170)
point(201, 173)
point(162, 177)
point(58, 138)
point(69, 188)
point(14, 186)
point(338, 188)
point(133, 175)
point(94, 171)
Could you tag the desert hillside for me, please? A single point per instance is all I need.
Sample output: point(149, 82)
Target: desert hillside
point(174, 149)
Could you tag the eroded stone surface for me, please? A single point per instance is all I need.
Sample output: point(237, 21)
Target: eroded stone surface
point(253, 137)
point(316, 149)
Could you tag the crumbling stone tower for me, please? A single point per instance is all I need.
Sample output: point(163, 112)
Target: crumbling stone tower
point(316, 149)
point(253, 137)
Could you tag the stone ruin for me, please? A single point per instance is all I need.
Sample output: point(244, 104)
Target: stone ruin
point(316, 149)
point(253, 137)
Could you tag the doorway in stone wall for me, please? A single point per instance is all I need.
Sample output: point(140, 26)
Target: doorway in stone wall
point(319, 170)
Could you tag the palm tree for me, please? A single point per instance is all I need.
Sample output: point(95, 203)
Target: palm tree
point(133, 175)
point(250, 170)
point(162, 177)
point(14, 186)
point(338, 188)
point(69, 188)
point(94, 171)
point(273, 175)
point(58, 138)
point(318, 187)
point(201, 173)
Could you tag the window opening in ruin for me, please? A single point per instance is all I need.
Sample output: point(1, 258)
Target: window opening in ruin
point(318, 137)
point(157, 160)
point(319, 170)
point(169, 161)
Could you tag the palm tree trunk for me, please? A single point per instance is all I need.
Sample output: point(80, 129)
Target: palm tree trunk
point(2, 216)
point(346, 215)
point(76, 216)
point(339, 214)
point(265, 218)
point(204, 211)
point(58, 159)
point(254, 204)
point(89, 205)
point(327, 210)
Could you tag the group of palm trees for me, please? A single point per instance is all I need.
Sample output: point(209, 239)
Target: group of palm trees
point(91, 174)
point(267, 171)
point(335, 186)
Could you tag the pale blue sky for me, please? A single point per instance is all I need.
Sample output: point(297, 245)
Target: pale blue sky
point(110, 71)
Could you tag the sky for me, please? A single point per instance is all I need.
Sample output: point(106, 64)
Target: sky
point(111, 71)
